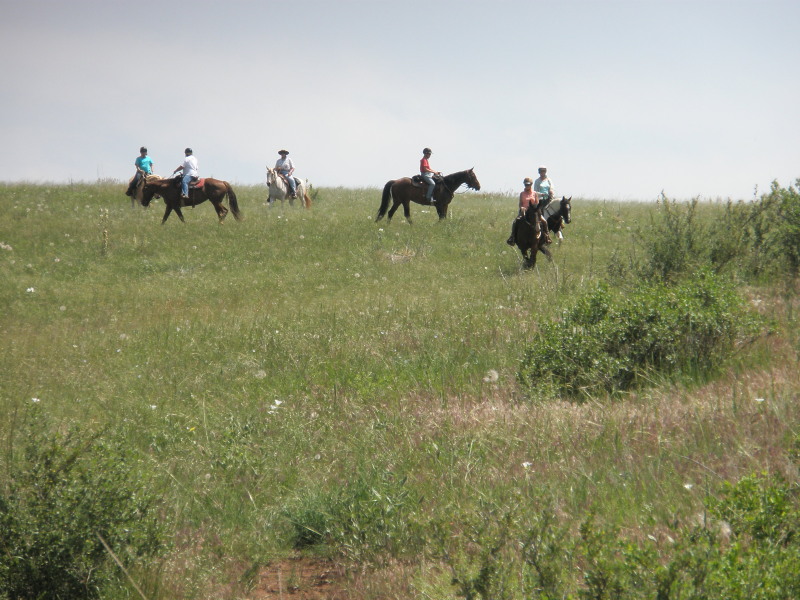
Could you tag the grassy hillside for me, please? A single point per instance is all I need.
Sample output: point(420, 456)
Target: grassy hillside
point(305, 367)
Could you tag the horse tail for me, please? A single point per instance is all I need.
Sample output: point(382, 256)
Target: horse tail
point(234, 204)
point(387, 195)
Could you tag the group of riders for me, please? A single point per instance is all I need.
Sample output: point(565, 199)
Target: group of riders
point(189, 171)
point(536, 194)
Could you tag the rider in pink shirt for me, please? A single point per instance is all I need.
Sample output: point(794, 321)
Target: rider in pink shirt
point(527, 199)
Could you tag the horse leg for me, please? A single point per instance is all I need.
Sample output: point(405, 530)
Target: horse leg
point(546, 251)
point(390, 214)
point(222, 212)
point(407, 210)
point(178, 212)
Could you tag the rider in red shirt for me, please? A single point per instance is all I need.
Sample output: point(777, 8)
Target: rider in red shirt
point(427, 174)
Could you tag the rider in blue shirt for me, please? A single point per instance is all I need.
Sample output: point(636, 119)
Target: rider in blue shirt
point(544, 186)
point(143, 162)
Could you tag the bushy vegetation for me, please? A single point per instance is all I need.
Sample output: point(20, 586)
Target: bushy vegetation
point(746, 545)
point(609, 343)
point(752, 240)
point(70, 500)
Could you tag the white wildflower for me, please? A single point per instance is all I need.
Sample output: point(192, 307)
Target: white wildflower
point(30, 290)
point(491, 376)
point(35, 400)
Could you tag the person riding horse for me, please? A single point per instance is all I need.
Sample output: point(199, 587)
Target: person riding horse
point(544, 186)
point(189, 168)
point(144, 167)
point(427, 175)
point(285, 167)
point(528, 200)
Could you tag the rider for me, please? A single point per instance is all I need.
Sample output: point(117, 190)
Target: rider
point(189, 168)
point(528, 198)
point(427, 174)
point(285, 167)
point(143, 162)
point(544, 186)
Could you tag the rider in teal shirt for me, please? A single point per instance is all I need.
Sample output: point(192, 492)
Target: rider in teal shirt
point(143, 162)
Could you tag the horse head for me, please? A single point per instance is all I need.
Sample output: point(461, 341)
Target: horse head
point(153, 188)
point(148, 191)
point(270, 176)
point(472, 180)
point(566, 208)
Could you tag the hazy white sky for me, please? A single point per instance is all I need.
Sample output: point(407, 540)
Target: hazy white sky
point(620, 99)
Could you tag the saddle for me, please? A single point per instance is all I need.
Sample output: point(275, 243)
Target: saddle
point(418, 181)
point(194, 183)
point(297, 181)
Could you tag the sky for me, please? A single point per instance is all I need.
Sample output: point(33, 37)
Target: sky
point(620, 99)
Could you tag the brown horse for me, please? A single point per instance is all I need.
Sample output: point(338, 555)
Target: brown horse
point(404, 191)
point(529, 237)
point(213, 190)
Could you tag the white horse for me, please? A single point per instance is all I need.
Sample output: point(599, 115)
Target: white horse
point(278, 190)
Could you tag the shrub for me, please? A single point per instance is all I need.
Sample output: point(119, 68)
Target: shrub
point(609, 344)
point(759, 239)
point(65, 493)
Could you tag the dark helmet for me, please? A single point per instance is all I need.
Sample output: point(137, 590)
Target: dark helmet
point(188, 151)
point(143, 149)
point(427, 151)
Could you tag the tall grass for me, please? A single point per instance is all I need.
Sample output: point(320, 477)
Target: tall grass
point(312, 375)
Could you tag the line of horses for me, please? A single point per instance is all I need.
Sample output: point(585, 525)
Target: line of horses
point(529, 234)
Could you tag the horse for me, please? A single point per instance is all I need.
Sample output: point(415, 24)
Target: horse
point(136, 196)
point(213, 190)
point(558, 214)
point(529, 237)
point(278, 190)
point(404, 191)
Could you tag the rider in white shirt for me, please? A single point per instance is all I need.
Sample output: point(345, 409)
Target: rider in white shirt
point(285, 167)
point(189, 168)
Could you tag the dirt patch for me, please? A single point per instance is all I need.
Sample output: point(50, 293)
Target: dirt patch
point(301, 579)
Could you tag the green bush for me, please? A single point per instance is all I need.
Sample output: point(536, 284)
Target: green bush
point(756, 240)
point(747, 548)
point(608, 343)
point(66, 491)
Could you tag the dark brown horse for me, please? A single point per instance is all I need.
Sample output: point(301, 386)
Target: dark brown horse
point(213, 190)
point(557, 215)
point(404, 191)
point(530, 238)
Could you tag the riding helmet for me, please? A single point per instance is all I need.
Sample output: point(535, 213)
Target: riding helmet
point(427, 151)
point(187, 151)
point(143, 149)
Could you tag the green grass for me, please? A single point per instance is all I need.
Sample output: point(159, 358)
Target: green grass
point(257, 366)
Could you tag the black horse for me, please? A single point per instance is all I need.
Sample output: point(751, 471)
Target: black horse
point(404, 191)
point(557, 215)
point(529, 237)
